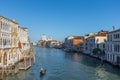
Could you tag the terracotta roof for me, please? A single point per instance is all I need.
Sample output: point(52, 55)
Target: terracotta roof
point(103, 33)
point(100, 34)
point(78, 37)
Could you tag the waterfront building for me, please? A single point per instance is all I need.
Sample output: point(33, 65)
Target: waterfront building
point(54, 44)
point(44, 38)
point(78, 43)
point(113, 47)
point(23, 40)
point(85, 42)
point(49, 38)
point(72, 43)
point(46, 41)
point(34, 43)
point(68, 43)
point(10, 41)
point(96, 40)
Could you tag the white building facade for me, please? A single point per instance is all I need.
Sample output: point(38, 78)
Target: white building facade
point(113, 47)
point(86, 43)
point(24, 38)
point(9, 38)
point(96, 40)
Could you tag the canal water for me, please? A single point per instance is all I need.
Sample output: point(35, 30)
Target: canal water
point(60, 65)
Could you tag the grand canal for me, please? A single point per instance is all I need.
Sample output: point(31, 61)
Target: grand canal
point(66, 66)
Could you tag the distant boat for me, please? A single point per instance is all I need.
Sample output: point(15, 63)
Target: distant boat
point(42, 72)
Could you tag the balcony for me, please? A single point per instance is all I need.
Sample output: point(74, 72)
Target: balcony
point(6, 46)
point(112, 52)
point(117, 40)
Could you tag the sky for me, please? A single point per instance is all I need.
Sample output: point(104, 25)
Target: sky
point(62, 18)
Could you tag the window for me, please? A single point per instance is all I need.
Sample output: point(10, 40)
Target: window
point(97, 40)
point(0, 41)
point(114, 36)
point(97, 45)
point(104, 40)
point(110, 37)
point(0, 57)
point(103, 45)
point(118, 36)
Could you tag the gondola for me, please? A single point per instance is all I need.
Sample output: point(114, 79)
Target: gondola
point(42, 72)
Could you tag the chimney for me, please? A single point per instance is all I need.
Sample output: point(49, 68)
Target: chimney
point(114, 28)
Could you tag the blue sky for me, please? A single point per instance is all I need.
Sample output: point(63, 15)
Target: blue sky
point(62, 18)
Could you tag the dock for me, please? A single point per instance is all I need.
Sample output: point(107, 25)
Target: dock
point(25, 68)
point(26, 64)
point(9, 70)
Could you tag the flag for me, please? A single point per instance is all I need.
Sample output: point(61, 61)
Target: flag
point(20, 45)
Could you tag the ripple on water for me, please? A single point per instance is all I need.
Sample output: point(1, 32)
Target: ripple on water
point(53, 78)
point(57, 70)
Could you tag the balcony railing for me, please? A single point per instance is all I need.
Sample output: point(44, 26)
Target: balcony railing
point(7, 46)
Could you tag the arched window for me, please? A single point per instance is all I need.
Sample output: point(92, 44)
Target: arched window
point(97, 40)
point(0, 57)
point(0, 41)
point(105, 40)
point(3, 41)
point(103, 45)
point(5, 59)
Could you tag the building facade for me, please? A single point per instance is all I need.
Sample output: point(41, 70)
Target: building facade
point(9, 38)
point(8, 41)
point(97, 40)
point(23, 41)
point(113, 47)
point(86, 43)
point(73, 43)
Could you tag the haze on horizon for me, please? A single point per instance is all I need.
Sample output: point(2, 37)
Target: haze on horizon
point(62, 18)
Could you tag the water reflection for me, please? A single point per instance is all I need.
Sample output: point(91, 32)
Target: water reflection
point(76, 57)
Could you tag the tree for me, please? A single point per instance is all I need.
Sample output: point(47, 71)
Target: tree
point(97, 51)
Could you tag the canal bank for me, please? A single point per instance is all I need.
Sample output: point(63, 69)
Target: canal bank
point(101, 58)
